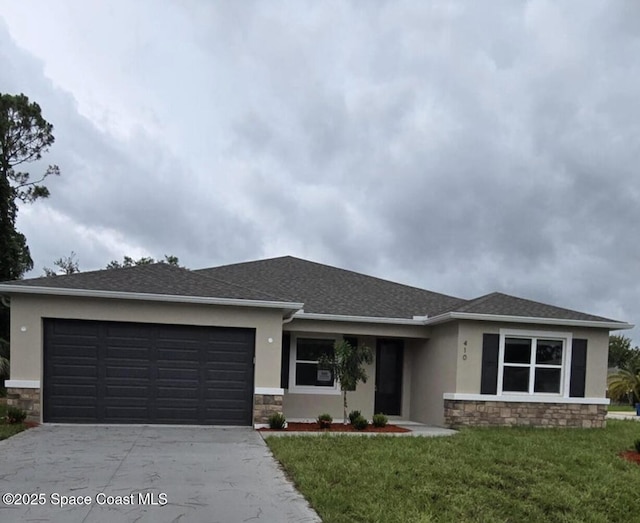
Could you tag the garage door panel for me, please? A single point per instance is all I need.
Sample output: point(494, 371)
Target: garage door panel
point(223, 395)
point(178, 373)
point(127, 352)
point(76, 392)
point(127, 413)
point(122, 371)
point(177, 392)
point(63, 414)
point(126, 391)
point(147, 373)
point(82, 371)
point(170, 354)
point(75, 329)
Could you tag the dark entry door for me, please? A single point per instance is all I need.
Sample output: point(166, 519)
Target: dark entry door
point(388, 399)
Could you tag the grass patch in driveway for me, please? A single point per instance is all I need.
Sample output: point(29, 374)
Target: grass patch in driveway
point(6, 430)
point(484, 475)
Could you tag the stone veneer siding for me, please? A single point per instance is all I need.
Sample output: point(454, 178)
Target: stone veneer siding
point(466, 413)
point(25, 399)
point(264, 405)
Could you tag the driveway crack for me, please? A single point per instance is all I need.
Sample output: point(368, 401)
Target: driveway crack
point(135, 441)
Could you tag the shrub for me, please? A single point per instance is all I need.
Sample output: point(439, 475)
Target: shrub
point(15, 415)
point(380, 420)
point(353, 415)
point(360, 423)
point(636, 444)
point(325, 420)
point(277, 421)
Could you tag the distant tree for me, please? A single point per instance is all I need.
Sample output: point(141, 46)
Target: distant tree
point(65, 265)
point(624, 385)
point(24, 137)
point(127, 261)
point(620, 351)
point(347, 364)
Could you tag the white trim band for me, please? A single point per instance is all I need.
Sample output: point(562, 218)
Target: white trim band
point(301, 315)
point(22, 384)
point(612, 325)
point(525, 398)
point(54, 291)
point(269, 391)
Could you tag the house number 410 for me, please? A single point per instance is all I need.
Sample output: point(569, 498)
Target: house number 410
point(464, 346)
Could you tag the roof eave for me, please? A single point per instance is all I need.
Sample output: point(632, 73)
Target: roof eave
point(288, 308)
point(450, 316)
point(301, 315)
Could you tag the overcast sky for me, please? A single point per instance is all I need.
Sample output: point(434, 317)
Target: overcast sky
point(462, 147)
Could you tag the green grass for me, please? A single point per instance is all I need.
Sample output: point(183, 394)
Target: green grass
point(6, 431)
point(621, 408)
point(479, 475)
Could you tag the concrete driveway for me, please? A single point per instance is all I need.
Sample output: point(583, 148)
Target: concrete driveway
point(145, 474)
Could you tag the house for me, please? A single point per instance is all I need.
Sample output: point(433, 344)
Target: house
point(229, 345)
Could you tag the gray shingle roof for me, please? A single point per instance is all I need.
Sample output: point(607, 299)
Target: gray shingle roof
point(158, 278)
point(497, 303)
point(328, 290)
point(323, 290)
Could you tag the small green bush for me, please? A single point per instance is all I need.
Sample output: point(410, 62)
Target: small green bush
point(360, 423)
point(380, 420)
point(15, 415)
point(277, 421)
point(353, 415)
point(636, 444)
point(325, 420)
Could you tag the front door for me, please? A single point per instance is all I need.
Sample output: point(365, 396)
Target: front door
point(388, 398)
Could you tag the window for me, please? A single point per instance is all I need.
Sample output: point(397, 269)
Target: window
point(307, 374)
point(532, 364)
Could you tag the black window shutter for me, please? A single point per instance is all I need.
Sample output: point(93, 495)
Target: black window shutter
point(284, 364)
point(352, 340)
point(578, 368)
point(489, 376)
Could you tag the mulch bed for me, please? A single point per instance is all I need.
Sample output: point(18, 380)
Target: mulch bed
point(631, 455)
point(335, 427)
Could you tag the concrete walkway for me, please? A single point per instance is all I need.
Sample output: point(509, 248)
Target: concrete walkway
point(145, 474)
point(623, 415)
point(417, 430)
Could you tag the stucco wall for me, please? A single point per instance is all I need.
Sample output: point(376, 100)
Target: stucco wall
point(433, 372)
point(309, 406)
point(469, 369)
point(27, 313)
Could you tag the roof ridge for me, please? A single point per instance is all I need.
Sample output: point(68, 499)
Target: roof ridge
point(475, 301)
point(490, 296)
point(350, 271)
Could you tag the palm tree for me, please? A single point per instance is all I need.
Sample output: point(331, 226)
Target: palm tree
point(625, 384)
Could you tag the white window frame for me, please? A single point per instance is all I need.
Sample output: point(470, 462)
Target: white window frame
point(565, 368)
point(293, 352)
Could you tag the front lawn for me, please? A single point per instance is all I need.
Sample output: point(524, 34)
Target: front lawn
point(484, 475)
point(621, 408)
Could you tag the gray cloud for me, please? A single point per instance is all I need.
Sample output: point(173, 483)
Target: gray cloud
point(460, 147)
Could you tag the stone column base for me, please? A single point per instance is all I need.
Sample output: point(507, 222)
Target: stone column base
point(25, 399)
point(467, 413)
point(264, 405)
